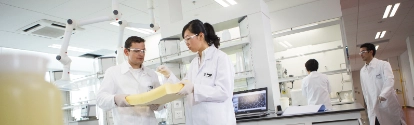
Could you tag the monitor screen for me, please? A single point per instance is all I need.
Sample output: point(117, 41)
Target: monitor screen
point(250, 101)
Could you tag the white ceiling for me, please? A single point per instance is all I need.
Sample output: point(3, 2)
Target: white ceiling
point(363, 19)
point(311, 37)
point(16, 14)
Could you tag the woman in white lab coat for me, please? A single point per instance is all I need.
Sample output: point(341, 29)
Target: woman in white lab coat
point(315, 86)
point(209, 82)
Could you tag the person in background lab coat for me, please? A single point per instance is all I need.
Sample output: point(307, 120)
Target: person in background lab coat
point(377, 81)
point(315, 86)
point(209, 82)
point(130, 77)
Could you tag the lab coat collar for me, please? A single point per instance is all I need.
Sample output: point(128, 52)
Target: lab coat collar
point(313, 72)
point(372, 64)
point(208, 53)
point(125, 67)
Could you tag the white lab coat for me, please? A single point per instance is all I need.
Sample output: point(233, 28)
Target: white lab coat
point(121, 79)
point(211, 102)
point(377, 79)
point(316, 89)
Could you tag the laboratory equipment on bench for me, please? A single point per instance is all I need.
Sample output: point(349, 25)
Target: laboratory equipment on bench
point(250, 103)
point(283, 86)
point(297, 98)
point(88, 112)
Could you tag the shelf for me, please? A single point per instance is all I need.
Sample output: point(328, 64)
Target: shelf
point(187, 56)
point(76, 84)
point(301, 77)
point(332, 49)
point(74, 106)
point(244, 75)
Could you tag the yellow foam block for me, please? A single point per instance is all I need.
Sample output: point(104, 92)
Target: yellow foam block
point(160, 95)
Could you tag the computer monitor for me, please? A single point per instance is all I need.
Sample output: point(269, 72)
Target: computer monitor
point(250, 101)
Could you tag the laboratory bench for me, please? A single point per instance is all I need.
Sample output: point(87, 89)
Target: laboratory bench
point(345, 114)
point(85, 122)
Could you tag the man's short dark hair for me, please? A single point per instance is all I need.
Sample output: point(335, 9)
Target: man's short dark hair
point(132, 39)
point(370, 47)
point(312, 65)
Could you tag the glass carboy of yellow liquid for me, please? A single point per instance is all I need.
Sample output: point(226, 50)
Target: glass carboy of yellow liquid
point(25, 97)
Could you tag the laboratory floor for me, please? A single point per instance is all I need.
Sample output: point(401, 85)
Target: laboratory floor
point(409, 115)
point(364, 118)
point(408, 112)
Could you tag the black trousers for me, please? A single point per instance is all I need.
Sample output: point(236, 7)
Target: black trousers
point(376, 121)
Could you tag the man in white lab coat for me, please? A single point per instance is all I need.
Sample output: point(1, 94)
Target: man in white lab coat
point(130, 77)
point(377, 81)
point(315, 86)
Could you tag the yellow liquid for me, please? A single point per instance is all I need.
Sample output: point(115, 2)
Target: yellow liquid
point(26, 99)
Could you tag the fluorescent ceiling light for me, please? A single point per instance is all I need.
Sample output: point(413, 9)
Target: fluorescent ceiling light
point(394, 9)
point(282, 31)
point(377, 36)
point(222, 3)
point(288, 44)
point(376, 47)
point(115, 23)
point(283, 44)
point(137, 30)
point(140, 30)
point(148, 30)
point(383, 34)
point(71, 48)
point(387, 11)
point(329, 20)
point(304, 26)
point(232, 2)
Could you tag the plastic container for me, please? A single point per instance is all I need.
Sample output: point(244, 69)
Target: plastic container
point(26, 98)
point(284, 102)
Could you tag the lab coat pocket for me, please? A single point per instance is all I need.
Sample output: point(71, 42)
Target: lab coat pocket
point(208, 78)
point(379, 80)
point(146, 84)
point(378, 76)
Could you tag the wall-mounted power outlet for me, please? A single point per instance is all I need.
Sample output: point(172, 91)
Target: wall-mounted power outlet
point(178, 114)
point(177, 104)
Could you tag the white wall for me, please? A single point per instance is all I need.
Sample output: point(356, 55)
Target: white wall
point(151, 46)
point(408, 81)
point(79, 65)
point(330, 59)
point(356, 80)
point(305, 14)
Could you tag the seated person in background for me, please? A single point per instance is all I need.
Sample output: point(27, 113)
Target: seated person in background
point(315, 86)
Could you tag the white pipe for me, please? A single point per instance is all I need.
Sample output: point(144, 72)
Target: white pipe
point(114, 5)
point(120, 49)
point(64, 58)
point(94, 20)
point(150, 5)
point(116, 15)
point(66, 69)
point(66, 38)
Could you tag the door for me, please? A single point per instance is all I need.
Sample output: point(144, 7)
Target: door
point(398, 82)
